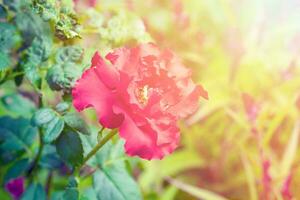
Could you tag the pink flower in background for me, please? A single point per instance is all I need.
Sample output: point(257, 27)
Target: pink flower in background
point(266, 179)
point(143, 92)
point(251, 107)
point(286, 188)
point(91, 3)
point(15, 187)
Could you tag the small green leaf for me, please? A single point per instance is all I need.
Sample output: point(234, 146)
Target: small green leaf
point(43, 116)
point(16, 135)
point(63, 76)
point(114, 182)
point(66, 27)
point(62, 107)
point(14, 4)
point(34, 192)
point(71, 192)
point(51, 123)
point(16, 170)
point(3, 12)
point(31, 26)
point(50, 158)
point(8, 36)
point(46, 9)
point(74, 121)
point(69, 147)
point(69, 54)
point(5, 61)
point(53, 129)
point(38, 52)
point(18, 105)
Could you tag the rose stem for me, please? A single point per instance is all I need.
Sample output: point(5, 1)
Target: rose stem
point(98, 146)
point(35, 162)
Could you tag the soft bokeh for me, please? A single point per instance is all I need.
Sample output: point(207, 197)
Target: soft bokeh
point(243, 142)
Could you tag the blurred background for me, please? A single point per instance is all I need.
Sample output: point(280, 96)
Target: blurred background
point(243, 143)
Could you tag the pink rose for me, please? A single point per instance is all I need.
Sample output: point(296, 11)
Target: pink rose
point(143, 92)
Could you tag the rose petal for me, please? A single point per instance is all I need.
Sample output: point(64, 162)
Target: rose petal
point(150, 140)
point(91, 91)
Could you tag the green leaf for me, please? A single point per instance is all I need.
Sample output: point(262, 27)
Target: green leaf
point(71, 192)
point(50, 158)
point(43, 116)
point(31, 26)
point(57, 195)
point(3, 12)
point(114, 182)
point(66, 26)
point(88, 194)
point(18, 105)
point(69, 147)
point(53, 129)
point(63, 76)
point(16, 170)
point(34, 192)
point(51, 123)
point(8, 36)
point(74, 121)
point(69, 54)
point(16, 135)
point(46, 9)
point(62, 107)
point(38, 52)
point(5, 61)
point(15, 4)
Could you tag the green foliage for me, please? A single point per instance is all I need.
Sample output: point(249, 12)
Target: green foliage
point(67, 25)
point(69, 54)
point(17, 135)
point(69, 147)
point(33, 58)
point(16, 170)
point(50, 158)
point(51, 123)
point(122, 28)
point(8, 37)
point(65, 21)
point(74, 121)
point(65, 72)
point(34, 191)
point(63, 76)
point(71, 192)
point(18, 105)
point(31, 26)
point(112, 181)
point(3, 12)
point(5, 61)
point(62, 107)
